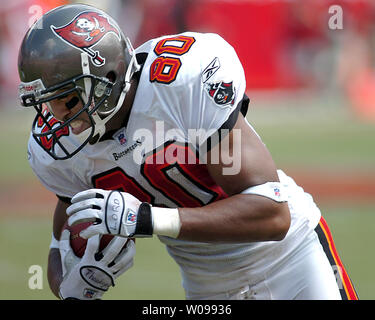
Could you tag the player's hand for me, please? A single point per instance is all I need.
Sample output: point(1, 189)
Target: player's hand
point(90, 277)
point(113, 212)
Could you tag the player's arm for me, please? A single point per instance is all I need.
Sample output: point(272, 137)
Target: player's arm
point(240, 217)
point(54, 273)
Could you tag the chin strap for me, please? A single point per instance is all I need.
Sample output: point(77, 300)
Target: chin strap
point(86, 70)
point(133, 65)
point(82, 137)
point(100, 123)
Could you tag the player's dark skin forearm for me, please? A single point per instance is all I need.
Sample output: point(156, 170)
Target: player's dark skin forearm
point(54, 273)
point(240, 218)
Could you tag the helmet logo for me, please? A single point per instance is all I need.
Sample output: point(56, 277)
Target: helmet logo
point(85, 31)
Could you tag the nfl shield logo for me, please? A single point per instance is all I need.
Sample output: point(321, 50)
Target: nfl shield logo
point(89, 293)
point(121, 139)
point(277, 192)
point(131, 218)
point(120, 136)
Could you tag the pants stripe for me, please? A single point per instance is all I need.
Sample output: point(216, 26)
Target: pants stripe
point(346, 287)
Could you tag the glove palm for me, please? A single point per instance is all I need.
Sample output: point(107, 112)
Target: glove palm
point(91, 276)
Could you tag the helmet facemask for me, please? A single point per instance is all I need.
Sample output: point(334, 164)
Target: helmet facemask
point(46, 129)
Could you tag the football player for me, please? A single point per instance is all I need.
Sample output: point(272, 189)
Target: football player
point(154, 141)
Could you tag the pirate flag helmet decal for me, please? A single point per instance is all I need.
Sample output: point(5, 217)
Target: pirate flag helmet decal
point(77, 53)
point(86, 30)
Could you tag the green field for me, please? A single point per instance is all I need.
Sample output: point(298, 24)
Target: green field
point(24, 242)
point(300, 133)
point(315, 133)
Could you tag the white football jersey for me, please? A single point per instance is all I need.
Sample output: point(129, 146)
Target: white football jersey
point(191, 85)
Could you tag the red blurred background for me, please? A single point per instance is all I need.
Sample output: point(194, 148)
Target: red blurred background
point(283, 45)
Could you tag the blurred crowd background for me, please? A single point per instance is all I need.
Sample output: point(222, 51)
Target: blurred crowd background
point(283, 45)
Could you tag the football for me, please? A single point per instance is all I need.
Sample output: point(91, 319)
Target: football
point(78, 244)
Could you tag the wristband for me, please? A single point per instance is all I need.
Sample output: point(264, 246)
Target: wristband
point(54, 243)
point(166, 221)
point(144, 226)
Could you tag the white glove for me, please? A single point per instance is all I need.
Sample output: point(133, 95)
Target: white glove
point(68, 258)
point(90, 277)
point(113, 212)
